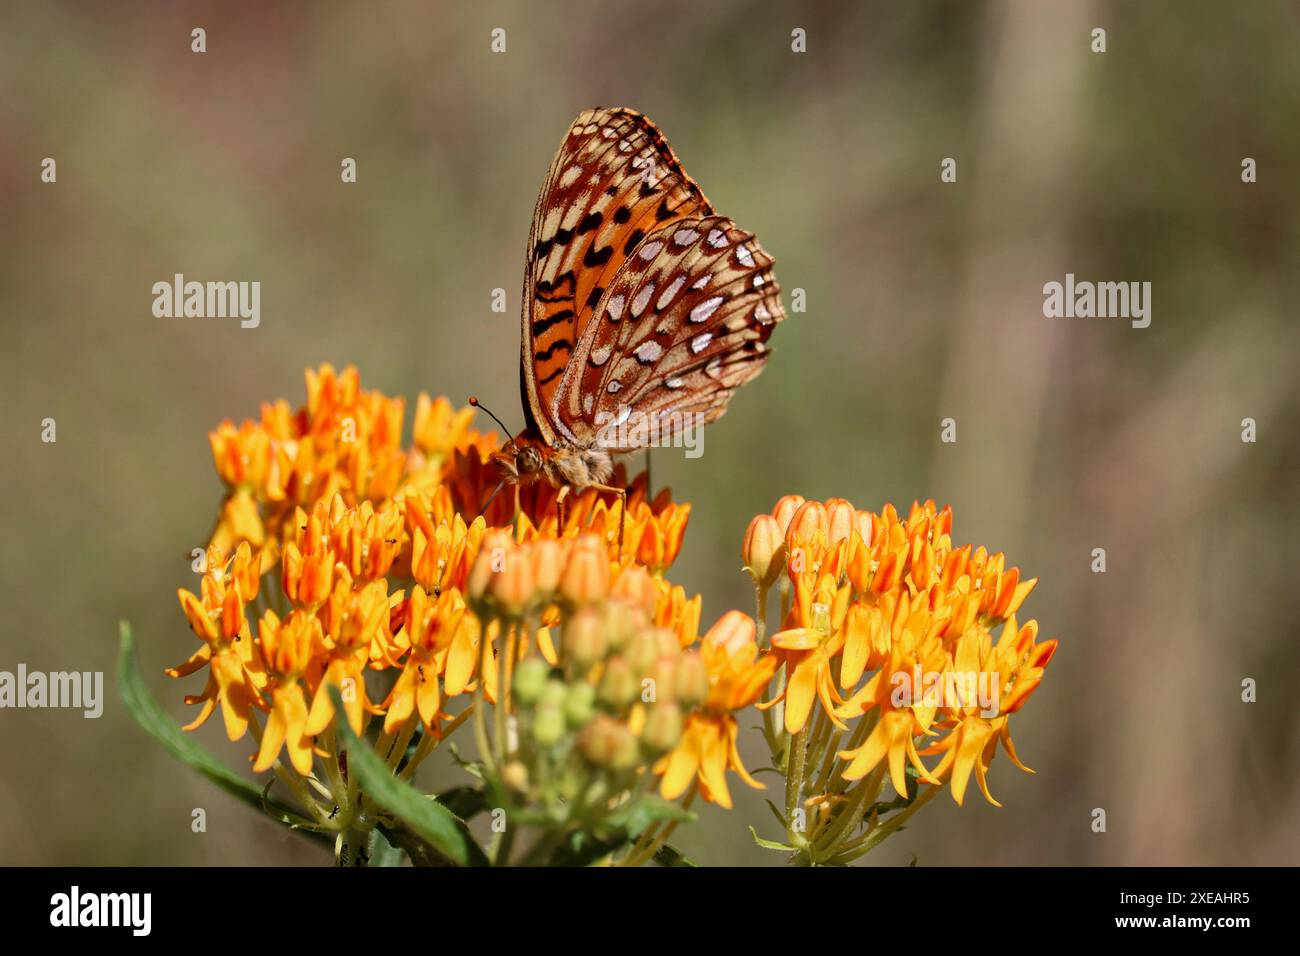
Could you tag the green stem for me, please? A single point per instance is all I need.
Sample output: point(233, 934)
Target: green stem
point(873, 838)
point(859, 798)
point(794, 785)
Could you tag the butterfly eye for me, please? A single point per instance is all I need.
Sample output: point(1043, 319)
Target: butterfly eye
point(528, 460)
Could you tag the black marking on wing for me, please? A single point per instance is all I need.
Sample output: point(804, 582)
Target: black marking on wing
point(557, 291)
point(557, 344)
point(541, 325)
point(597, 257)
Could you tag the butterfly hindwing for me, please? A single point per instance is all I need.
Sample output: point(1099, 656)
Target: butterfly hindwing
point(613, 182)
point(682, 325)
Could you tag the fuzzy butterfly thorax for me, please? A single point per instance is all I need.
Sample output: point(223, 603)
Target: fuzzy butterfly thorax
point(527, 458)
point(641, 306)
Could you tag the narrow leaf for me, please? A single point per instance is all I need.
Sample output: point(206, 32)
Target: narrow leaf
point(425, 818)
point(158, 724)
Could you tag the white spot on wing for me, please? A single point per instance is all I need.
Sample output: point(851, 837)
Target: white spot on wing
point(744, 256)
point(702, 281)
point(717, 239)
point(684, 237)
point(614, 386)
point(701, 342)
point(670, 292)
point(600, 356)
point(706, 308)
point(588, 403)
point(614, 309)
point(648, 351)
point(642, 299)
point(650, 250)
point(674, 383)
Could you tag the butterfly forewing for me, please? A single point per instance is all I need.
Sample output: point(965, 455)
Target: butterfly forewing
point(681, 326)
point(613, 182)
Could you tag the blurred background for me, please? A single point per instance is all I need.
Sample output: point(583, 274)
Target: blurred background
point(924, 302)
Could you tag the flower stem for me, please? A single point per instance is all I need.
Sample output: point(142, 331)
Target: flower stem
point(794, 784)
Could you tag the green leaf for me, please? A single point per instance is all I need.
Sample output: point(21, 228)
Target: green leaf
point(634, 817)
point(464, 802)
point(427, 819)
point(381, 852)
point(666, 855)
point(583, 849)
point(158, 724)
point(770, 844)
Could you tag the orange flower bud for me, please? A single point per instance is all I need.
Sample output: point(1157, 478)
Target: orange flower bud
point(663, 675)
point(607, 743)
point(841, 521)
point(785, 509)
point(548, 565)
point(763, 550)
point(663, 728)
point(514, 586)
point(732, 632)
point(287, 646)
point(490, 562)
point(635, 587)
point(586, 575)
point(809, 524)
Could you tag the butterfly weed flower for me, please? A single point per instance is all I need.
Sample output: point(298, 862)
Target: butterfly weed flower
point(344, 563)
point(888, 656)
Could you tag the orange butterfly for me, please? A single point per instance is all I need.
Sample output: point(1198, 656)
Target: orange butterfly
point(639, 304)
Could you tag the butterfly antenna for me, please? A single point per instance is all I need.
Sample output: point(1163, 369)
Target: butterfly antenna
point(477, 404)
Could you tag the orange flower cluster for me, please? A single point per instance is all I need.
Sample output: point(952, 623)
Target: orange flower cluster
point(894, 601)
point(369, 548)
point(350, 569)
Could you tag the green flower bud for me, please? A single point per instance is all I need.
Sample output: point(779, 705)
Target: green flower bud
point(515, 776)
point(553, 694)
point(548, 725)
point(618, 685)
point(530, 680)
point(620, 625)
point(580, 704)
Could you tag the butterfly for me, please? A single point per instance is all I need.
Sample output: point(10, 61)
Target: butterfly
point(641, 306)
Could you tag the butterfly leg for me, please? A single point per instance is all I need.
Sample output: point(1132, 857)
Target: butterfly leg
point(622, 511)
point(559, 510)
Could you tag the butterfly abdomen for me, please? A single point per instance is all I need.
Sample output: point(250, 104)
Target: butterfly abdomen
point(578, 467)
